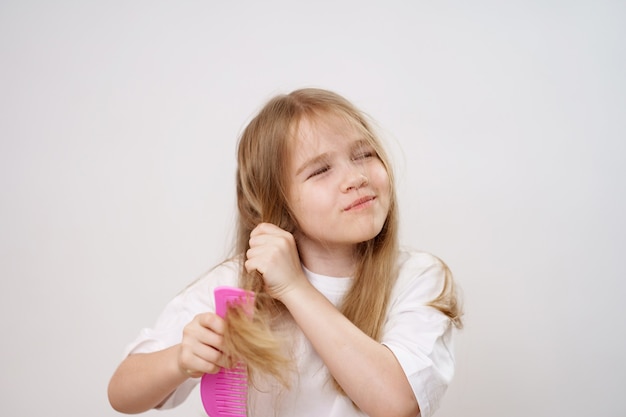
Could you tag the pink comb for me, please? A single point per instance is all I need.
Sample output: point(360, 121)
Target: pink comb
point(225, 393)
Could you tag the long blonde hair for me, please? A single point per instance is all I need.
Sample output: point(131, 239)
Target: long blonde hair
point(264, 153)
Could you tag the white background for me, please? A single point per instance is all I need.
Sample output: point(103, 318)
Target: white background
point(118, 127)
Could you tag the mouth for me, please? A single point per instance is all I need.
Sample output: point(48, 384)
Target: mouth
point(360, 203)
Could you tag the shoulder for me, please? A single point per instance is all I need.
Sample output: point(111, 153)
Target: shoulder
point(420, 274)
point(222, 273)
point(414, 260)
point(197, 297)
point(225, 273)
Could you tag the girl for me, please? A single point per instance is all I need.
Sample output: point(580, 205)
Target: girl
point(346, 323)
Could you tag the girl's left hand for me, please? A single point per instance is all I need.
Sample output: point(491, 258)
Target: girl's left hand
point(274, 255)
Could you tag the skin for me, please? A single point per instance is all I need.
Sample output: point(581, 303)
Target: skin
point(339, 194)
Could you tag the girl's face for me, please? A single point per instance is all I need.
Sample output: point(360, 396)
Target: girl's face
point(339, 190)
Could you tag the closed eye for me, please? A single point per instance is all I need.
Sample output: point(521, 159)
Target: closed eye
point(319, 171)
point(364, 155)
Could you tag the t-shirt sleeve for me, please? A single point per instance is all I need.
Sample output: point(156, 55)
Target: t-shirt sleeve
point(168, 329)
point(420, 336)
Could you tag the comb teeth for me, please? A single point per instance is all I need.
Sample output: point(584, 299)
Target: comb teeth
point(225, 394)
point(230, 390)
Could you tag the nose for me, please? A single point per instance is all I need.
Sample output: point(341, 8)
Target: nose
point(354, 180)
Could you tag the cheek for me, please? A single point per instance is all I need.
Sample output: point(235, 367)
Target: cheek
point(301, 205)
point(310, 206)
point(380, 179)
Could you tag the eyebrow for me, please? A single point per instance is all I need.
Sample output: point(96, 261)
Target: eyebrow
point(315, 160)
point(361, 143)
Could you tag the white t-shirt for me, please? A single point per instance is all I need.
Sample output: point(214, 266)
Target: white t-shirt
point(419, 336)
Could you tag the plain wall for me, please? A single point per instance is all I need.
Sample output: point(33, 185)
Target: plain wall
point(118, 128)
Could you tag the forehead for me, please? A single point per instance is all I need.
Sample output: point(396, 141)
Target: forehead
point(315, 133)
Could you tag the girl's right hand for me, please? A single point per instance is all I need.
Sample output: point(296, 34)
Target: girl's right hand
point(201, 347)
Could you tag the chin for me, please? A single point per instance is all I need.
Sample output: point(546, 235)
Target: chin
point(367, 235)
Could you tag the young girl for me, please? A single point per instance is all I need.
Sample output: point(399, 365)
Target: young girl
point(347, 324)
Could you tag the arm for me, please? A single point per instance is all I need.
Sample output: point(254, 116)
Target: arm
point(367, 370)
point(145, 380)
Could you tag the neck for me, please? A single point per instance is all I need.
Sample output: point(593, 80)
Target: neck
point(335, 261)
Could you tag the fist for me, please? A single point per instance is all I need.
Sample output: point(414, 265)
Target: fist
point(273, 253)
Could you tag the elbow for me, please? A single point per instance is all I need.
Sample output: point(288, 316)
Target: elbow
point(119, 401)
point(115, 404)
point(398, 407)
point(404, 405)
point(120, 407)
point(115, 401)
point(408, 409)
point(412, 410)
